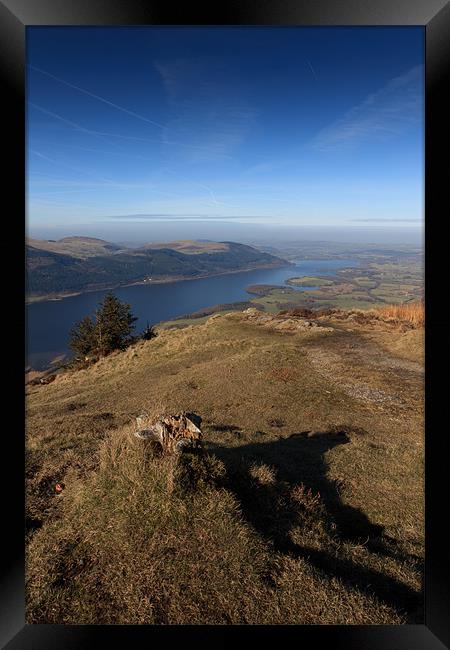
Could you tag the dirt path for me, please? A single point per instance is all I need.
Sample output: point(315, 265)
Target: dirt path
point(365, 371)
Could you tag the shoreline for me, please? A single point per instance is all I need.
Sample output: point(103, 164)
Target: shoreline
point(30, 300)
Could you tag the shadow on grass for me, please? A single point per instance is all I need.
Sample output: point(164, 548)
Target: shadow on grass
point(268, 506)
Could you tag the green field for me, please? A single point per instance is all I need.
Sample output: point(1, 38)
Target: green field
point(371, 284)
point(310, 281)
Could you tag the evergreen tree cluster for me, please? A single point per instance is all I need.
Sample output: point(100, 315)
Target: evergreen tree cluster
point(109, 329)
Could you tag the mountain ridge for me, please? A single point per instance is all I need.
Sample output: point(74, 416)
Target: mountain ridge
point(76, 264)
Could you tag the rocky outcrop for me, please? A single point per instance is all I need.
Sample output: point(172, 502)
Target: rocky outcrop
point(282, 322)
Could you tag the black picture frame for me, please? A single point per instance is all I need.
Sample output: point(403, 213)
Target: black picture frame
point(434, 16)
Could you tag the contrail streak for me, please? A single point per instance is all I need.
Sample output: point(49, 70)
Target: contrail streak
point(75, 125)
point(101, 99)
point(311, 68)
point(101, 134)
point(205, 187)
point(107, 181)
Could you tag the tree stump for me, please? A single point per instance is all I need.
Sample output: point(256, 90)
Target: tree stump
point(175, 433)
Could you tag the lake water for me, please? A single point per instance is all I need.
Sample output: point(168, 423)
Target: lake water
point(49, 322)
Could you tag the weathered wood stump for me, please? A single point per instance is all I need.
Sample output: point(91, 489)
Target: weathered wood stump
point(175, 433)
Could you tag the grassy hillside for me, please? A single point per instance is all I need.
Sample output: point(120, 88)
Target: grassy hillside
point(80, 247)
point(307, 506)
point(79, 264)
point(191, 247)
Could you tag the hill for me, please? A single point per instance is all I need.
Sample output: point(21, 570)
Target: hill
point(77, 264)
point(191, 247)
point(80, 247)
point(306, 508)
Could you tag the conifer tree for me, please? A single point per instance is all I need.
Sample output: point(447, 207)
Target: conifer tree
point(83, 338)
point(114, 324)
point(111, 330)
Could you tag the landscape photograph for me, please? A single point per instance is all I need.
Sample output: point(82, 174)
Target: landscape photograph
point(224, 372)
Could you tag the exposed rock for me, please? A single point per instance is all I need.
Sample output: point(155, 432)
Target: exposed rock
point(47, 379)
point(282, 322)
point(175, 433)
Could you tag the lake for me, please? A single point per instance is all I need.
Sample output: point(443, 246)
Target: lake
point(49, 322)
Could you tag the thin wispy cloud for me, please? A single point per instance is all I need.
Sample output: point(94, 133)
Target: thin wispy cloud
point(208, 107)
point(375, 220)
point(383, 114)
point(185, 217)
point(265, 167)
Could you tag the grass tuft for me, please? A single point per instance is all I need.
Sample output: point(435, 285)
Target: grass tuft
point(412, 313)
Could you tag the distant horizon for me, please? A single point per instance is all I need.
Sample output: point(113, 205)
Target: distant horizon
point(225, 132)
point(313, 234)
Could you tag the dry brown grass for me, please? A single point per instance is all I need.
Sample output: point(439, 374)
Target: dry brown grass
point(282, 374)
point(413, 313)
point(155, 541)
point(273, 525)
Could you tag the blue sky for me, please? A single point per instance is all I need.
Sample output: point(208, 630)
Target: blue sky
point(159, 130)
